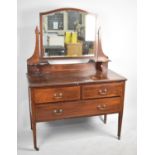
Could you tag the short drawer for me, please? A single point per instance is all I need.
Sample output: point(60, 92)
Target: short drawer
point(101, 90)
point(56, 111)
point(45, 95)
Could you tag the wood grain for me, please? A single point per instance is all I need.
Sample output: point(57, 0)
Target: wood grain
point(101, 90)
point(56, 94)
point(45, 112)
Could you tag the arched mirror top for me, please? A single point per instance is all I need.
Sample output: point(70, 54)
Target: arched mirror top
point(68, 33)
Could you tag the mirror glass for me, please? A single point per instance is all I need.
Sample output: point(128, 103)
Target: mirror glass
point(68, 33)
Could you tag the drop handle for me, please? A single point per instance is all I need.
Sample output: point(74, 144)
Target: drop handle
point(103, 91)
point(58, 95)
point(101, 107)
point(58, 111)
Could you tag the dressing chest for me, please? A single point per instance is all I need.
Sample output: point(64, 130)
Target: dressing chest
point(61, 91)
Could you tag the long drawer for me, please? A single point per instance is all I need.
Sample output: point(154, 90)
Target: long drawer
point(45, 95)
point(101, 90)
point(53, 111)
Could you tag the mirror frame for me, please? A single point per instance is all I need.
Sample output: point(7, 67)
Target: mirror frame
point(57, 57)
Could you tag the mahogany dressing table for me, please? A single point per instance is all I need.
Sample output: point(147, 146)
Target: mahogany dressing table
point(61, 91)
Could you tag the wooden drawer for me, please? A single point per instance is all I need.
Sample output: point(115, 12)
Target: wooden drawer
point(53, 111)
point(101, 90)
point(45, 95)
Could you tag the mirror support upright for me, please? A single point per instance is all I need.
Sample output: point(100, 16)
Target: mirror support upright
point(34, 59)
point(101, 60)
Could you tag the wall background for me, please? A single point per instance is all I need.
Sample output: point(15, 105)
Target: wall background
point(118, 21)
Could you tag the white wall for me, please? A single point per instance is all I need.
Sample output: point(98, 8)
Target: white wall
point(118, 21)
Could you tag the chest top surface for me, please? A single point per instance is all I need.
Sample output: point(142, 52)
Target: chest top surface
point(42, 80)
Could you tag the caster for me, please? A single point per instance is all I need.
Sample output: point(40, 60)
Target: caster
point(36, 148)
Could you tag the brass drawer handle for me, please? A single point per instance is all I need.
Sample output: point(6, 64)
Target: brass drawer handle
point(103, 91)
point(58, 111)
point(101, 107)
point(58, 96)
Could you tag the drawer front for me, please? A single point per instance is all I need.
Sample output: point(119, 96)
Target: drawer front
point(45, 95)
point(76, 109)
point(101, 90)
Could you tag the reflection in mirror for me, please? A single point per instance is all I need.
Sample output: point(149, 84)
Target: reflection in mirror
point(68, 33)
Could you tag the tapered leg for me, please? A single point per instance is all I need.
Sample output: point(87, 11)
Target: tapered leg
point(105, 118)
point(31, 121)
point(119, 124)
point(30, 107)
point(34, 136)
